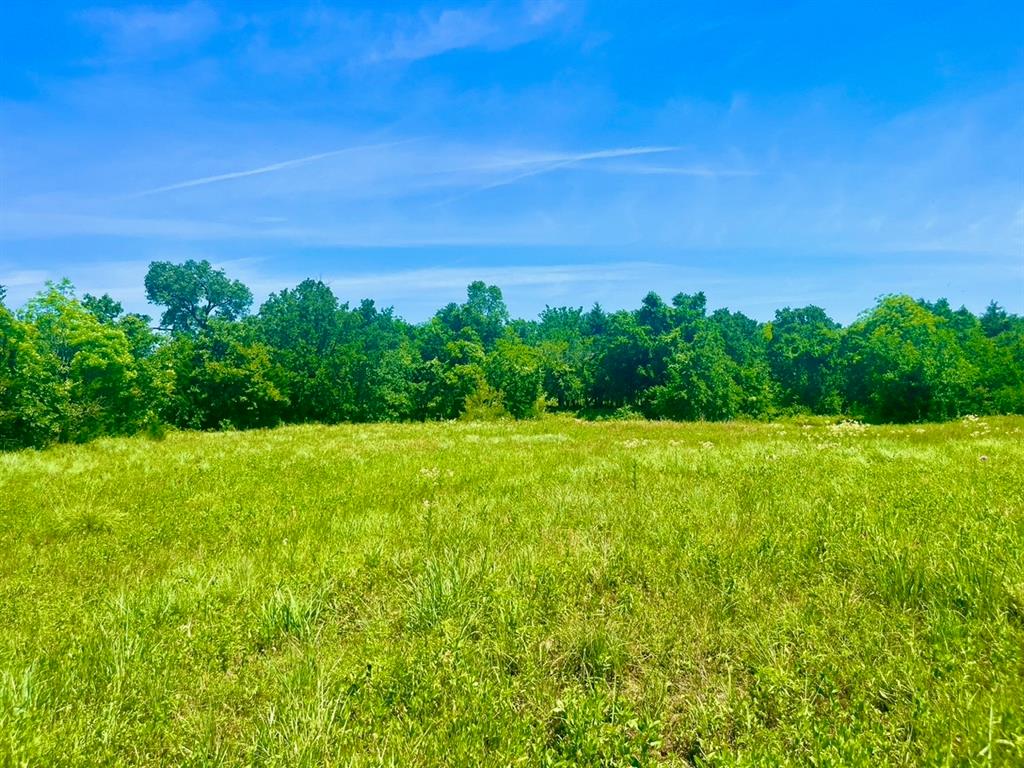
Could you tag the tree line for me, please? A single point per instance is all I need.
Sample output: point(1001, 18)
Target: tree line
point(73, 369)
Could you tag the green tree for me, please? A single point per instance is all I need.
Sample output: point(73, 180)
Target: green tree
point(702, 381)
point(309, 337)
point(689, 310)
point(386, 388)
point(565, 346)
point(392, 390)
point(447, 380)
point(996, 320)
point(903, 363)
point(93, 361)
point(31, 396)
point(222, 378)
point(802, 349)
point(746, 345)
point(655, 315)
point(193, 293)
point(482, 317)
point(104, 308)
point(485, 312)
point(516, 371)
point(997, 349)
point(622, 368)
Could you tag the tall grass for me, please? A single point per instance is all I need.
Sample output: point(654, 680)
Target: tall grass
point(546, 593)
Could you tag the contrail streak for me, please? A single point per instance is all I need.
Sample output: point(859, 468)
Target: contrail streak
point(573, 159)
point(262, 169)
point(562, 162)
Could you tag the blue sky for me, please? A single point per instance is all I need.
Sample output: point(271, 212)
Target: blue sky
point(570, 151)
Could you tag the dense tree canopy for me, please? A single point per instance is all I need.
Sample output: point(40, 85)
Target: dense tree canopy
point(194, 292)
point(74, 369)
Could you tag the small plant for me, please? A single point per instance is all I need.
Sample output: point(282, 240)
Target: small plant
point(485, 404)
point(626, 413)
point(155, 428)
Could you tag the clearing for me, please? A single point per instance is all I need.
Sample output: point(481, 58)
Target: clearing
point(541, 593)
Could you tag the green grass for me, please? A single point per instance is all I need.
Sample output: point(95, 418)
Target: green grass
point(545, 593)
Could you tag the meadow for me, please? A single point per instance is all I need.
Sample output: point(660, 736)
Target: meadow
point(549, 592)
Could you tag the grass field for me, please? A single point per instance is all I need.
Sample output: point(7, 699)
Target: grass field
point(541, 593)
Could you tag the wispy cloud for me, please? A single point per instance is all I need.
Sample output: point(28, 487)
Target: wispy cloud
point(430, 34)
point(701, 171)
point(149, 32)
point(543, 11)
point(24, 277)
point(284, 164)
point(322, 39)
point(450, 30)
point(22, 225)
point(380, 232)
point(442, 278)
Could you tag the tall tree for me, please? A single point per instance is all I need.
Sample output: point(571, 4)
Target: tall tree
point(904, 363)
point(566, 348)
point(702, 381)
point(622, 368)
point(996, 320)
point(307, 334)
point(802, 348)
point(194, 292)
point(482, 317)
point(93, 363)
point(32, 398)
point(104, 307)
point(745, 343)
point(516, 371)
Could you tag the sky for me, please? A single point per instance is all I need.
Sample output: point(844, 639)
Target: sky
point(569, 151)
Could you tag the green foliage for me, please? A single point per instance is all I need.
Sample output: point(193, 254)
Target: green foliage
point(386, 388)
point(903, 363)
point(222, 379)
point(565, 347)
point(449, 380)
point(31, 396)
point(390, 387)
point(997, 320)
point(746, 345)
point(485, 403)
point(74, 369)
point(307, 335)
point(516, 371)
point(104, 308)
point(485, 312)
point(95, 377)
point(623, 363)
point(194, 293)
point(702, 382)
point(481, 318)
point(802, 351)
point(548, 592)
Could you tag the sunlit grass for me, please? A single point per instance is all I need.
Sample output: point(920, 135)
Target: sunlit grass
point(552, 592)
